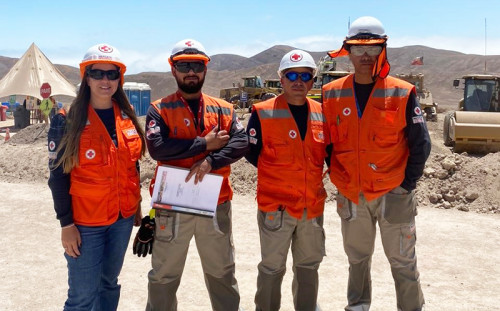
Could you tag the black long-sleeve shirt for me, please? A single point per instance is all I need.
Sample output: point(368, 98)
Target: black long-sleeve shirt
point(162, 147)
point(419, 141)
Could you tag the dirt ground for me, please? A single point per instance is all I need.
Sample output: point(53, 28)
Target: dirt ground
point(458, 236)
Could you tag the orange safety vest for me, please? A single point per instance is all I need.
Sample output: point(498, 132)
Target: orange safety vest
point(369, 153)
point(179, 119)
point(290, 171)
point(105, 181)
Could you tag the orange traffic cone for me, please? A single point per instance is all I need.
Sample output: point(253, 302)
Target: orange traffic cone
point(7, 134)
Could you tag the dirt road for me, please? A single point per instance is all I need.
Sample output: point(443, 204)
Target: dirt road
point(457, 256)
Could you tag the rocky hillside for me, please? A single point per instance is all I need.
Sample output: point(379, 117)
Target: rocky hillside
point(440, 68)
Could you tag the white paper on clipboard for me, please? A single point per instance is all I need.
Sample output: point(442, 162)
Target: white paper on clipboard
point(171, 192)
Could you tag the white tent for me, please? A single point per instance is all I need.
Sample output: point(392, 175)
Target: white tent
point(30, 72)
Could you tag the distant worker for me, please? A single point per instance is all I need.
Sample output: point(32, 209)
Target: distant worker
point(45, 108)
point(189, 129)
point(94, 152)
point(288, 148)
point(379, 147)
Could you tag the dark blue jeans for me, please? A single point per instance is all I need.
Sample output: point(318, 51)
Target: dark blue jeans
point(93, 276)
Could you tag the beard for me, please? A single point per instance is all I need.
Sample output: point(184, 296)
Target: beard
point(191, 87)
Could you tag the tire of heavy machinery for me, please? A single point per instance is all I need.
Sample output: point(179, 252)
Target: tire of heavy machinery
point(234, 98)
point(266, 96)
point(448, 141)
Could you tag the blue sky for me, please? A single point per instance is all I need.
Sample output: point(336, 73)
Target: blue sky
point(145, 30)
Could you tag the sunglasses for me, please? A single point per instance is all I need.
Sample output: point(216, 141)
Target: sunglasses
point(98, 74)
point(371, 50)
point(293, 76)
point(185, 67)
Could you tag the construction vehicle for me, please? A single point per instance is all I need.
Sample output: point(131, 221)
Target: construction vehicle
point(326, 72)
point(252, 91)
point(424, 96)
point(475, 126)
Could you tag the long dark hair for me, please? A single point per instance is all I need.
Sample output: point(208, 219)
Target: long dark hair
point(77, 119)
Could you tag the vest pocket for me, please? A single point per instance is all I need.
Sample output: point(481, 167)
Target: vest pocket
point(384, 136)
point(90, 200)
point(133, 191)
point(277, 152)
point(133, 143)
point(338, 133)
point(92, 152)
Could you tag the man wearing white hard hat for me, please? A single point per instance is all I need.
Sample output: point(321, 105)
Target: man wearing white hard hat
point(288, 148)
point(379, 145)
point(191, 130)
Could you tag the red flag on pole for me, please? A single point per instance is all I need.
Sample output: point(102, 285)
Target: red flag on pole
point(418, 61)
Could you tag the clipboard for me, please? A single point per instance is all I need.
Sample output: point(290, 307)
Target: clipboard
point(171, 192)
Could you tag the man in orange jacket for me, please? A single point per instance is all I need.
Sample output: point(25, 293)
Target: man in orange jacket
point(287, 146)
point(192, 130)
point(379, 145)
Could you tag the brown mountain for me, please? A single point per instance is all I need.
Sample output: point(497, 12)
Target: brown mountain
point(440, 68)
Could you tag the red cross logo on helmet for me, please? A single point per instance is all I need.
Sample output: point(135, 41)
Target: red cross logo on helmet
point(188, 43)
point(295, 57)
point(105, 49)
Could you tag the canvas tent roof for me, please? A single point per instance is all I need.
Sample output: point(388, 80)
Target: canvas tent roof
point(30, 72)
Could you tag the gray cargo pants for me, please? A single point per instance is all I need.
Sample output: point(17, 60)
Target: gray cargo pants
point(307, 238)
point(214, 242)
point(395, 213)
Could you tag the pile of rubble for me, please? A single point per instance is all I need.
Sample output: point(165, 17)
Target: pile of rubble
point(462, 181)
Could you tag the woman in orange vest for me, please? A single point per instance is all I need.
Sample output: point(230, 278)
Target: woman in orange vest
point(288, 148)
point(94, 179)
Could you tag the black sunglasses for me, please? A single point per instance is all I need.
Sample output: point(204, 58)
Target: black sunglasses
point(293, 76)
point(185, 67)
point(98, 74)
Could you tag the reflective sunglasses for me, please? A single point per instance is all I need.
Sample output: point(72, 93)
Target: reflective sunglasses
point(371, 50)
point(293, 76)
point(98, 74)
point(185, 67)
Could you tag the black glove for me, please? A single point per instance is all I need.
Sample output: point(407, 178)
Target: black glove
point(143, 242)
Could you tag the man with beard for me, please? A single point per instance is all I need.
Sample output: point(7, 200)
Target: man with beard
point(192, 130)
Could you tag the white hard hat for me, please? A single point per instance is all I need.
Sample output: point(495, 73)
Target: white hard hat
point(102, 53)
point(188, 49)
point(366, 27)
point(295, 59)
